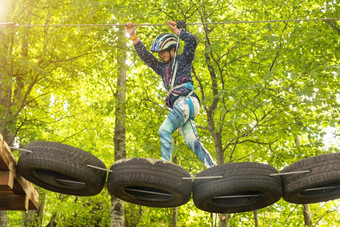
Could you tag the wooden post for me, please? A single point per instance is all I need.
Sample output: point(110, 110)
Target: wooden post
point(16, 193)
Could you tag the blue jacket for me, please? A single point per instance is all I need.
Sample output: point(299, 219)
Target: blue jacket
point(183, 74)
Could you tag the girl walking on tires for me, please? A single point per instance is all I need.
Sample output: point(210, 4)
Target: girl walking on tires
point(175, 71)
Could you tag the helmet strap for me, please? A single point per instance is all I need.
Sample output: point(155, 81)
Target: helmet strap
point(169, 51)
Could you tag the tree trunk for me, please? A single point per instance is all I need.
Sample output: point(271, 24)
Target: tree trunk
point(306, 209)
point(175, 209)
point(52, 222)
point(3, 218)
point(213, 219)
point(6, 75)
point(174, 216)
point(35, 217)
point(256, 218)
point(264, 218)
point(5, 102)
point(117, 205)
point(307, 215)
point(215, 133)
point(117, 212)
point(41, 208)
point(223, 220)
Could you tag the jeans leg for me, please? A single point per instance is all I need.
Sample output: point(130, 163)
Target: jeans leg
point(173, 121)
point(191, 138)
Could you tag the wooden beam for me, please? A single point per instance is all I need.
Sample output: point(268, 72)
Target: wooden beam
point(6, 181)
point(30, 191)
point(13, 202)
point(12, 185)
point(8, 161)
point(3, 163)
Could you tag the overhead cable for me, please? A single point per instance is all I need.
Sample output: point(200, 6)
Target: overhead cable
point(12, 24)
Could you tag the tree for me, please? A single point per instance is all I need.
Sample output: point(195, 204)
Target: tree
point(31, 68)
point(117, 213)
point(262, 86)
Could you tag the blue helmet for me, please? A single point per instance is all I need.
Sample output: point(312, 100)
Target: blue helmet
point(164, 41)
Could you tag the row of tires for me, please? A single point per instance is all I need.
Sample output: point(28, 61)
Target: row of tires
point(227, 188)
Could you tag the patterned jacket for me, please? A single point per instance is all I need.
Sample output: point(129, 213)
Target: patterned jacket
point(183, 74)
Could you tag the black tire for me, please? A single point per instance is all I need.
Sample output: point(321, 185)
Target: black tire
point(62, 168)
point(321, 184)
point(244, 187)
point(149, 182)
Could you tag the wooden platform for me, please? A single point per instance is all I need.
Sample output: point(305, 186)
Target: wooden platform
point(16, 193)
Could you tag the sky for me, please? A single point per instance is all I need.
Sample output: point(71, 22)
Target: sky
point(330, 139)
point(3, 9)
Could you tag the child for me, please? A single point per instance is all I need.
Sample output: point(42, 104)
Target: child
point(175, 72)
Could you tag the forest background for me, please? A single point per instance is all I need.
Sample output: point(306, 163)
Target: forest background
point(269, 94)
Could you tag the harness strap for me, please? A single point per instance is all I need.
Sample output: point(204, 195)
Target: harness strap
point(174, 75)
point(191, 107)
point(173, 88)
point(187, 85)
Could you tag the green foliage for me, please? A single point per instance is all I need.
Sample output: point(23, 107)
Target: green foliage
point(79, 211)
point(275, 85)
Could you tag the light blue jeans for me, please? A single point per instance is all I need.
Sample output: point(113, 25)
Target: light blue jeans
point(181, 117)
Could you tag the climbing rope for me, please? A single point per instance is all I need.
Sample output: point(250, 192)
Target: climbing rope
point(12, 24)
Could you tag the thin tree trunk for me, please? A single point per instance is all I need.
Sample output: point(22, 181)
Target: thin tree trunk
point(3, 218)
point(117, 212)
point(35, 217)
point(215, 133)
point(6, 129)
point(174, 216)
point(307, 215)
point(175, 209)
point(224, 218)
point(41, 208)
point(256, 218)
point(5, 103)
point(306, 209)
point(117, 205)
point(264, 219)
point(52, 223)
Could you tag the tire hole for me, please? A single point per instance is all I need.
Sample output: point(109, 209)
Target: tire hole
point(321, 190)
point(238, 199)
point(148, 193)
point(58, 180)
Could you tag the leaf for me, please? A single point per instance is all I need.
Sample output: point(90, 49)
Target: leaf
point(269, 75)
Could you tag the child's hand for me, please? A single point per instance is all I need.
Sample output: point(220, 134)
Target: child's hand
point(173, 26)
point(130, 28)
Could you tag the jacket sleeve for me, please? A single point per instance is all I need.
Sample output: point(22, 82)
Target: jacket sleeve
point(189, 46)
point(148, 58)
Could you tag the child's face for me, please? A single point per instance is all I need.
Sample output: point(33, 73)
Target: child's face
point(165, 55)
